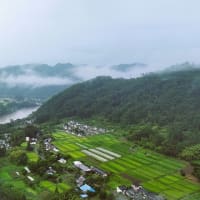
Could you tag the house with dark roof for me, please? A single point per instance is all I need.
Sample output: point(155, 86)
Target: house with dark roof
point(99, 171)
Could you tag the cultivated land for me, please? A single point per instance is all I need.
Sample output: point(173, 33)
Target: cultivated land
point(156, 172)
point(8, 177)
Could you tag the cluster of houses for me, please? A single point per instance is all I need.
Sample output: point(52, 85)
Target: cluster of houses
point(5, 141)
point(49, 146)
point(78, 129)
point(81, 181)
point(28, 171)
point(137, 192)
point(33, 141)
point(85, 168)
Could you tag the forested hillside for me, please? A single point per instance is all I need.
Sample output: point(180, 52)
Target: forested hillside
point(170, 100)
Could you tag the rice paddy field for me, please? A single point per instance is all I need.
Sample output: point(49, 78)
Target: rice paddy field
point(52, 186)
point(9, 178)
point(157, 173)
point(32, 156)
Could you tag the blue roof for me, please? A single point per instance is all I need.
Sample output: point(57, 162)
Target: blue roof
point(83, 195)
point(86, 188)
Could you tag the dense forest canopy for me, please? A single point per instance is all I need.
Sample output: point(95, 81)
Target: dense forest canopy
point(168, 99)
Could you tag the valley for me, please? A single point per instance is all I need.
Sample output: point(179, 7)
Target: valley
point(98, 140)
point(18, 114)
point(14, 108)
point(99, 100)
point(51, 171)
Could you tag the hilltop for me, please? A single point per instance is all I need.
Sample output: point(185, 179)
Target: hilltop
point(169, 100)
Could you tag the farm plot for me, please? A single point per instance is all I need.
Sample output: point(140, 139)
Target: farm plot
point(109, 152)
point(65, 146)
point(101, 154)
point(157, 173)
point(32, 157)
point(48, 185)
point(89, 153)
point(8, 176)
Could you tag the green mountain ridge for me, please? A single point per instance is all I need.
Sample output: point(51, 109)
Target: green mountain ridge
point(169, 100)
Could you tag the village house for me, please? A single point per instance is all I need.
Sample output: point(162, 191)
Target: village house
point(18, 174)
point(49, 146)
point(136, 187)
point(27, 170)
point(138, 192)
point(121, 189)
point(47, 140)
point(81, 166)
point(99, 171)
point(5, 141)
point(33, 141)
point(54, 149)
point(62, 161)
point(83, 196)
point(30, 178)
point(50, 171)
point(81, 129)
point(80, 181)
point(86, 188)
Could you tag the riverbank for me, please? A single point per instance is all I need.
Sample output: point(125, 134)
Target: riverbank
point(19, 114)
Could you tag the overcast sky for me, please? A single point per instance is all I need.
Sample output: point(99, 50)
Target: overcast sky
point(155, 32)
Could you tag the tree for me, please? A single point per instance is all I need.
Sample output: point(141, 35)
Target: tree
point(18, 156)
point(31, 131)
point(2, 151)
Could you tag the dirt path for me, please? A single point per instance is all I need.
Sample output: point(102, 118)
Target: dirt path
point(188, 173)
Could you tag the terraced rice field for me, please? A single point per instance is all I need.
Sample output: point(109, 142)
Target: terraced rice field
point(8, 175)
point(100, 154)
point(156, 172)
point(89, 153)
point(47, 185)
point(32, 156)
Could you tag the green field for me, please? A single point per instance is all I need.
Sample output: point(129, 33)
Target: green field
point(62, 187)
point(9, 178)
point(32, 156)
point(156, 172)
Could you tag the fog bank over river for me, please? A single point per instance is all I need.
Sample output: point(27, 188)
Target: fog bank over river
point(19, 114)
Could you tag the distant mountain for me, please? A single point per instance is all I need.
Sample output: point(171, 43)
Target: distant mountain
point(182, 67)
point(61, 70)
point(128, 67)
point(43, 81)
point(36, 81)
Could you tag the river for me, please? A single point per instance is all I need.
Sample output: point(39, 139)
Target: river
point(19, 114)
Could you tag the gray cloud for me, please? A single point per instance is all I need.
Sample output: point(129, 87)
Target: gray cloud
point(156, 32)
point(89, 71)
point(33, 80)
point(29, 77)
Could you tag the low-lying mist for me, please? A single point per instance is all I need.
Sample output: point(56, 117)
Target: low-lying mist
point(68, 74)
